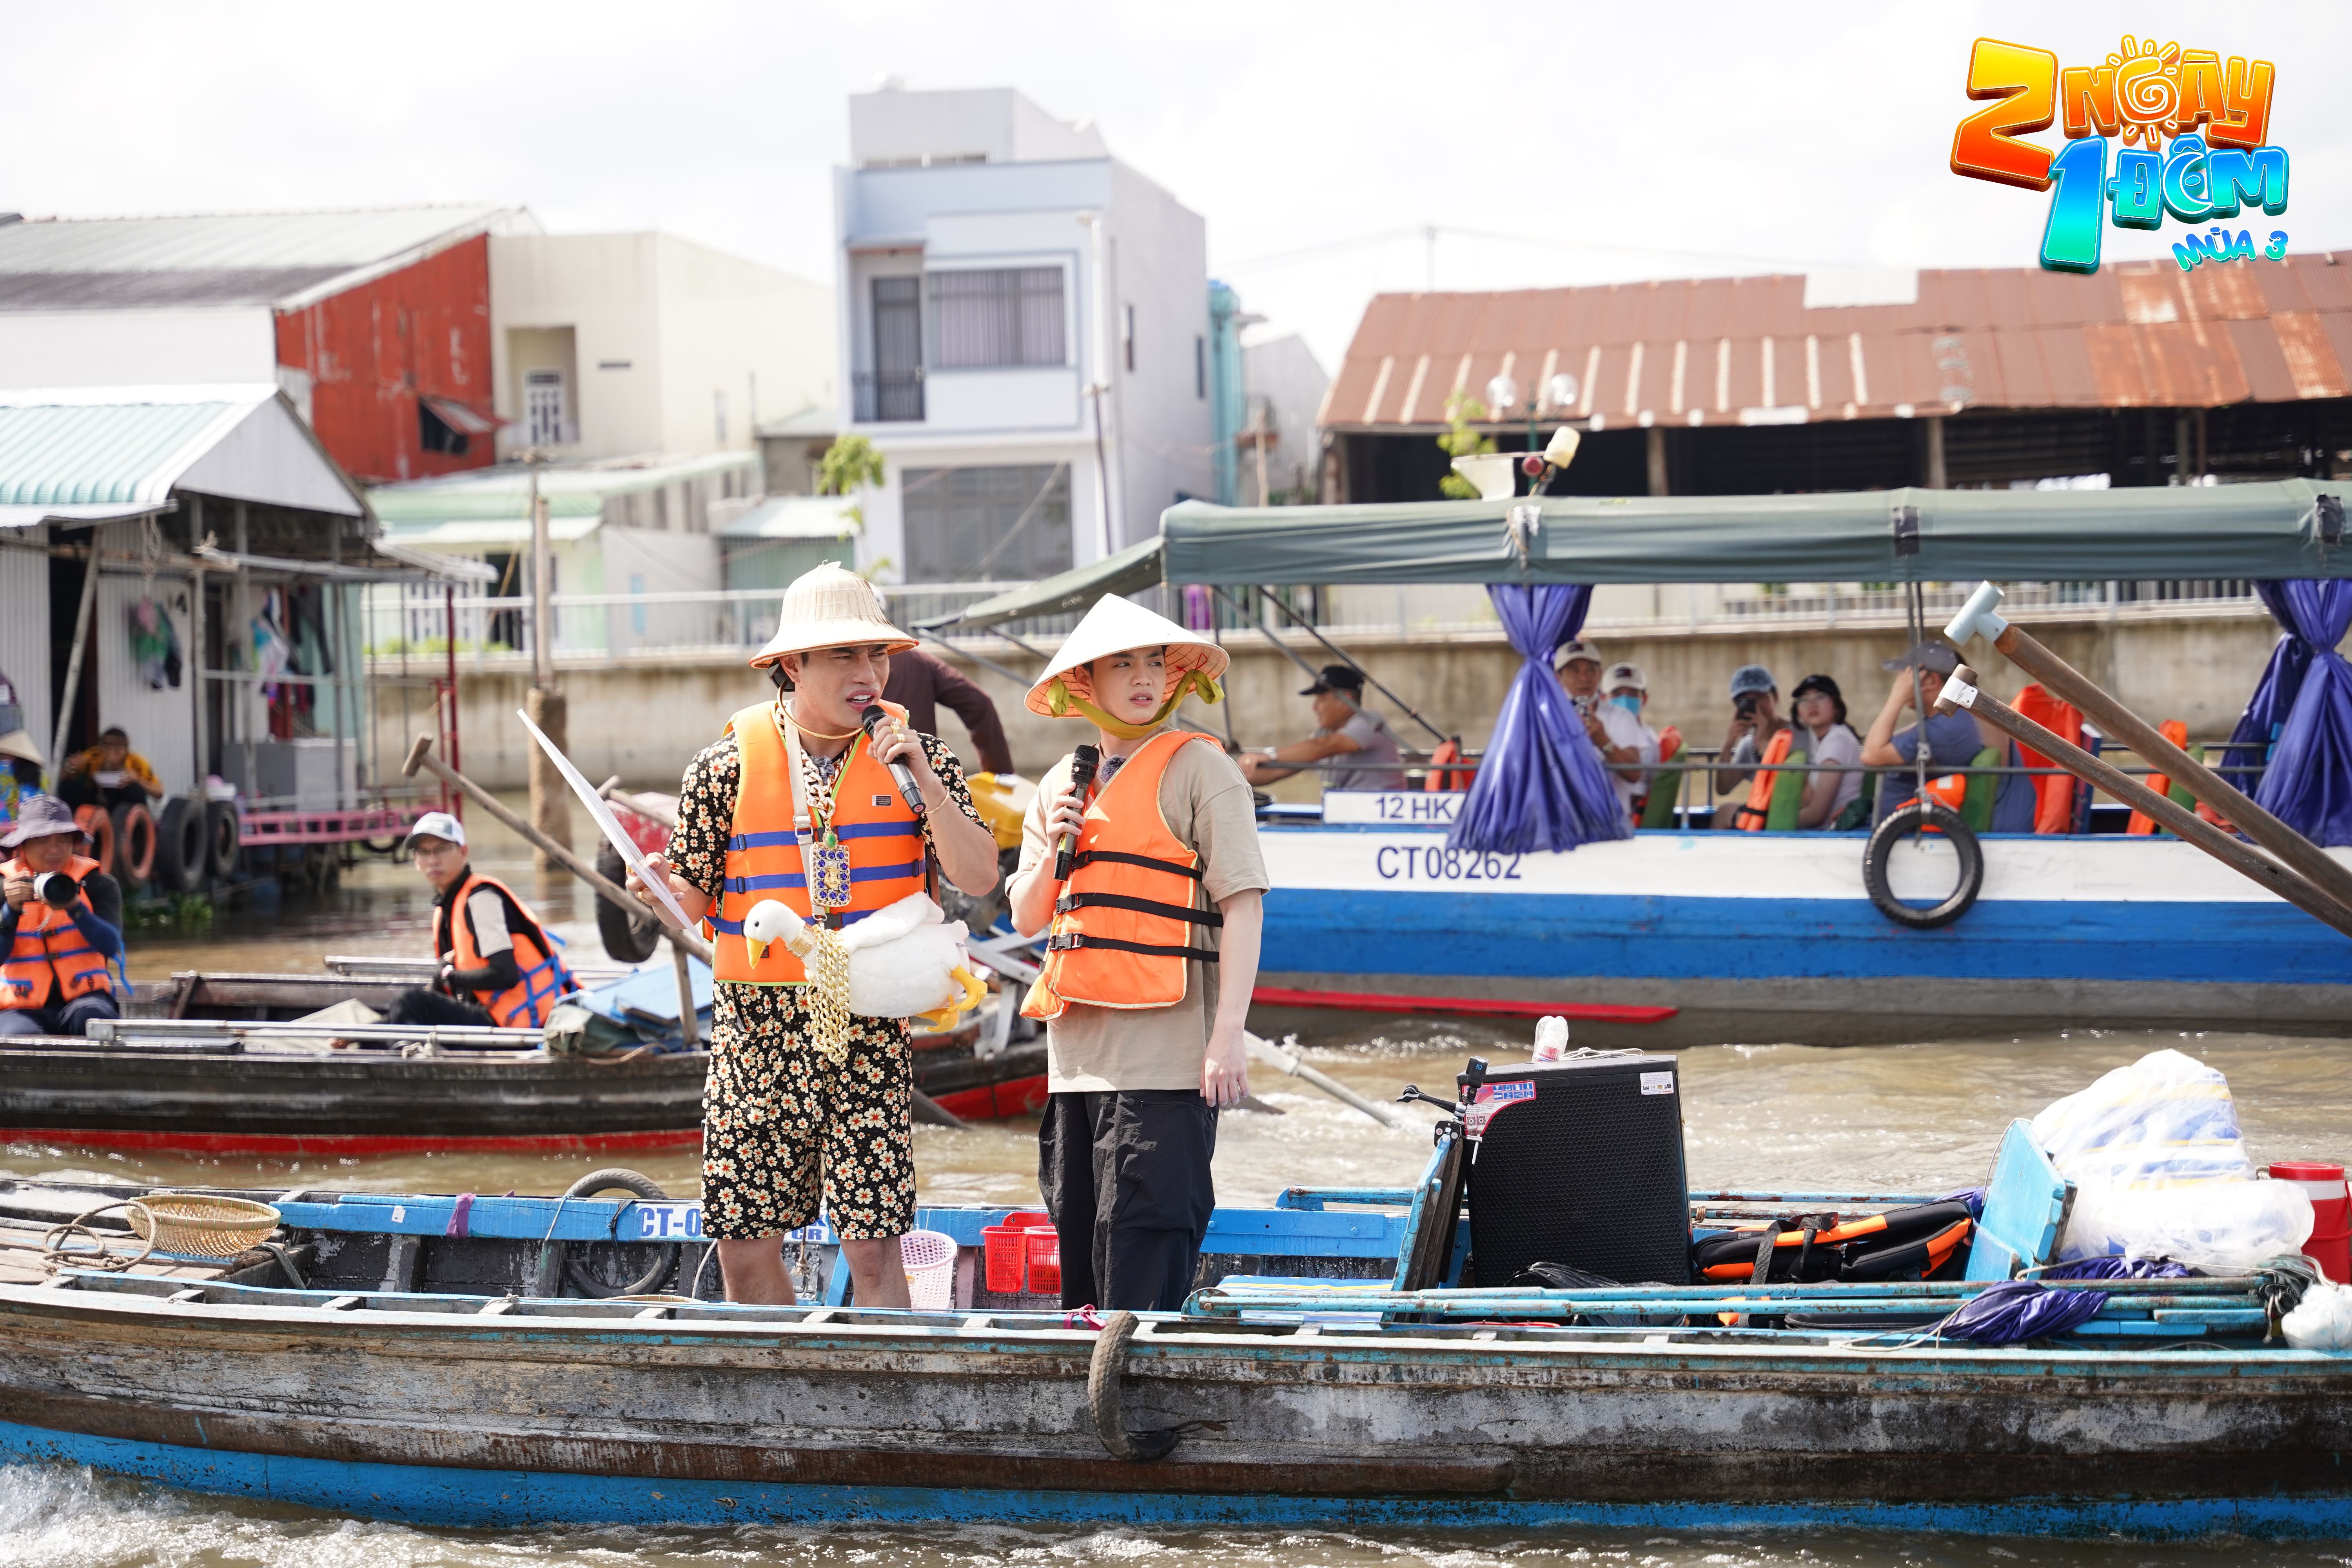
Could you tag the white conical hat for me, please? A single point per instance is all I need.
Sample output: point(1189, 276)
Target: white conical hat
point(831, 608)
point(1113, 625)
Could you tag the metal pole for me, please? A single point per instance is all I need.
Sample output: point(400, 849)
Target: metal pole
point(1961, 691)
point(688, 1033)
point(457, 800)
point(1336, 651)
point(1267, 1051)
point(551, 801)
point(542, 617)
point(73, 665)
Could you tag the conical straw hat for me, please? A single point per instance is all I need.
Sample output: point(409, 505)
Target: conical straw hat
point(1113, 625)
point(831, 608)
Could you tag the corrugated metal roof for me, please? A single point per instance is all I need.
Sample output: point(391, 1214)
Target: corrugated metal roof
point(504, 492)
point(795, 517)
point(1749, 351)
point(57, 453)
point(113, 263)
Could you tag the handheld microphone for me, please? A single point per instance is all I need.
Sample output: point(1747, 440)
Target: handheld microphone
point(1083, 764)
point(56, 890)
point(874, 717)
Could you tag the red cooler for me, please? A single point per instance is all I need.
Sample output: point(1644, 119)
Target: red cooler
point(2330, 1245)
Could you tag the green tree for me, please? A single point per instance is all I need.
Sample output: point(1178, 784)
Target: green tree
point(851, 463)
point(1461, 439)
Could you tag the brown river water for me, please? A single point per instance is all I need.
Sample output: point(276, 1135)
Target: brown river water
point(1911, 1119)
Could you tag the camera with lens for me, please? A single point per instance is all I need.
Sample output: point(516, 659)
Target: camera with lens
point(56, 890)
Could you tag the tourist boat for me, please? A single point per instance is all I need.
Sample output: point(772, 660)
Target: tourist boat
point(1687, 935)
point(484, 1361)
point(223, 1067)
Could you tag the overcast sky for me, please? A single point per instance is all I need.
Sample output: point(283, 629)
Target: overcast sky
point(1609, 143)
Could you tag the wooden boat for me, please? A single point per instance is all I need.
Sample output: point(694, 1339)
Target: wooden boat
point(485, 1361)
point(267, 1094)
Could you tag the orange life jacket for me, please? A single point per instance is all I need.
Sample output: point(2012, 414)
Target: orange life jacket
point(2053, 794)
point(1441, 777)
point(544, 980)
point(884, 839)
point(1123, 928)
point(50, 955)
point(1753, 816)
point(2176, 732)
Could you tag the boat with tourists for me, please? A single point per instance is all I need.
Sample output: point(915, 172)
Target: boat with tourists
point(1464, 1352)
point(1513, 893)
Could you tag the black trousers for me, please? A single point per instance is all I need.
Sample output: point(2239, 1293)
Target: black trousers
point(418, 1005)
point(1126, 1176)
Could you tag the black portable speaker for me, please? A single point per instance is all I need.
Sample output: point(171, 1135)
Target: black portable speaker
point(1581, 1163)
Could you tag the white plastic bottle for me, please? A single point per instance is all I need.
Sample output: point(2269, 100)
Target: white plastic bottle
point(1551, 1037)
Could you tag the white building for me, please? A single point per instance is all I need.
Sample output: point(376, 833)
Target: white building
point(607, 345)
point(1023, 335)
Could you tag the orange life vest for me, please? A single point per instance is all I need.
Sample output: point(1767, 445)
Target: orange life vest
point(1753, 816)
point(1124, 926)
point(544, 980)
point(50, 955)
point(2174, 731)
point(2053, 794)
point(1440, 777)
point(884, 839)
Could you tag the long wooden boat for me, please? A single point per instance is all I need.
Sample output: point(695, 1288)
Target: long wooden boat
point(1695, 938)
point(267, 1096)
point(464, 1360)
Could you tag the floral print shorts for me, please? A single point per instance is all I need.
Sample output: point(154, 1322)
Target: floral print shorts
point(783, 1127)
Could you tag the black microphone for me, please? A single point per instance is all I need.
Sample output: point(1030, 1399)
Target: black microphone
point(1083, 764)
point(874, 717)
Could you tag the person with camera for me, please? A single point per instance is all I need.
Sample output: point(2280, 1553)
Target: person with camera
point(1612, 722)
point(61, 928)
point(1756, 730)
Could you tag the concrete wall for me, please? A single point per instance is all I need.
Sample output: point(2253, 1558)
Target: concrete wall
point(645, 716)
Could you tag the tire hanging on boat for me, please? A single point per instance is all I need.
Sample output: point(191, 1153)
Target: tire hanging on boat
point(641, 1185)
point(180, 845)
point(630, 936)
point(1904, 822)
point(223, 837)
point(1103, 1402)
point(134, 845)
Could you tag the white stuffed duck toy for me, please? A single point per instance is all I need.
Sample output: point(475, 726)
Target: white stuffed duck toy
point(906, 960)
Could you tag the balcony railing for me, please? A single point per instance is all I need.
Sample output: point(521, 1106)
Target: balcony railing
point(889, 396)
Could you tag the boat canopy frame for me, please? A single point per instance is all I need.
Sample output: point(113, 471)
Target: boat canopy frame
point(2269, 530)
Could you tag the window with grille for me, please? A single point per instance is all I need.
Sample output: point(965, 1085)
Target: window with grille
point(1011, 316)
point(1007, 524)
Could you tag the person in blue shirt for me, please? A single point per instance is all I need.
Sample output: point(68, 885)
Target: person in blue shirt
point(1953, 739)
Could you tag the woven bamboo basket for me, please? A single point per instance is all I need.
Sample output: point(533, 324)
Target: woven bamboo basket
point(199, 1226)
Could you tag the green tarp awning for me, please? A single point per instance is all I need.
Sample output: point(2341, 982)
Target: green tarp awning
point(2252, 531)
point(1134, 568)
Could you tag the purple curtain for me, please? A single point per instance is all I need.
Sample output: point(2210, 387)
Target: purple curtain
point(1542, 784)
point(2297, 726)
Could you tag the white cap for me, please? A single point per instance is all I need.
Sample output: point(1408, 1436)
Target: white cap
point(436, 824)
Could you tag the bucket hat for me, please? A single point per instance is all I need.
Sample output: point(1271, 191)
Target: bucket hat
point(1066, 689)
point(831, 608)
point(43, 817)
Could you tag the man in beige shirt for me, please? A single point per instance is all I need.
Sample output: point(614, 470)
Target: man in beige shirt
point(1154, 956)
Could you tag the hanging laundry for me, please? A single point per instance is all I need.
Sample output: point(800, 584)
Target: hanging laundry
point(154, 645)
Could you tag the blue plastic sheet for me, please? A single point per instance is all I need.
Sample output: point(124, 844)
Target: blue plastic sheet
point(2299, 720)
point(2018, 1310)
point(1542, 784)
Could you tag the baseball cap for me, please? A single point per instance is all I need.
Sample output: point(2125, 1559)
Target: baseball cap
point(1933, 656)
point(1626, 675)
point(435, 825)
point(1336, 678)
point(1750, 678)
point(1571, 652)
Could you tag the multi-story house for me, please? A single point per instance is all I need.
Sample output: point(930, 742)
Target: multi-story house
point(1024, 337)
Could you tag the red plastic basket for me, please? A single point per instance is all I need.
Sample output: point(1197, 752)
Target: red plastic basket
point(1044, 1250)
point(1008, 1252)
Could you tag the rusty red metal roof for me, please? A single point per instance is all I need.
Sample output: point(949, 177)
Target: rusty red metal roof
point(1718, 351)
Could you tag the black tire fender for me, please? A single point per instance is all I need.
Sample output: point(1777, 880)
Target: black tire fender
point(609, 1179)
point(223, 837)
point(1901, 823)
point(630, 935)
point(180, 845)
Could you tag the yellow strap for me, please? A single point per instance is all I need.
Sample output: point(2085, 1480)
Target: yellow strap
point(1058, 697)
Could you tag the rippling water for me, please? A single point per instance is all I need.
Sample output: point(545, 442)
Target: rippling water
point(1917, 1119)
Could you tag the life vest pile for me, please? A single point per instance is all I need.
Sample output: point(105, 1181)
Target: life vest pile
point(1925, 1242)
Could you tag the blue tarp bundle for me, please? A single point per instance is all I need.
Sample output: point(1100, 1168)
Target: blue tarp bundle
point(1541, 785)
point(2297, 726)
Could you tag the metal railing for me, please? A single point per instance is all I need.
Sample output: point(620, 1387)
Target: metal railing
point(888, 397)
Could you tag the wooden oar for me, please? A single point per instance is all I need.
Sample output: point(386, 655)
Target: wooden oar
point(1961, 691)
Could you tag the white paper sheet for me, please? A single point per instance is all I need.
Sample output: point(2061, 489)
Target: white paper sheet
point(614, 834)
